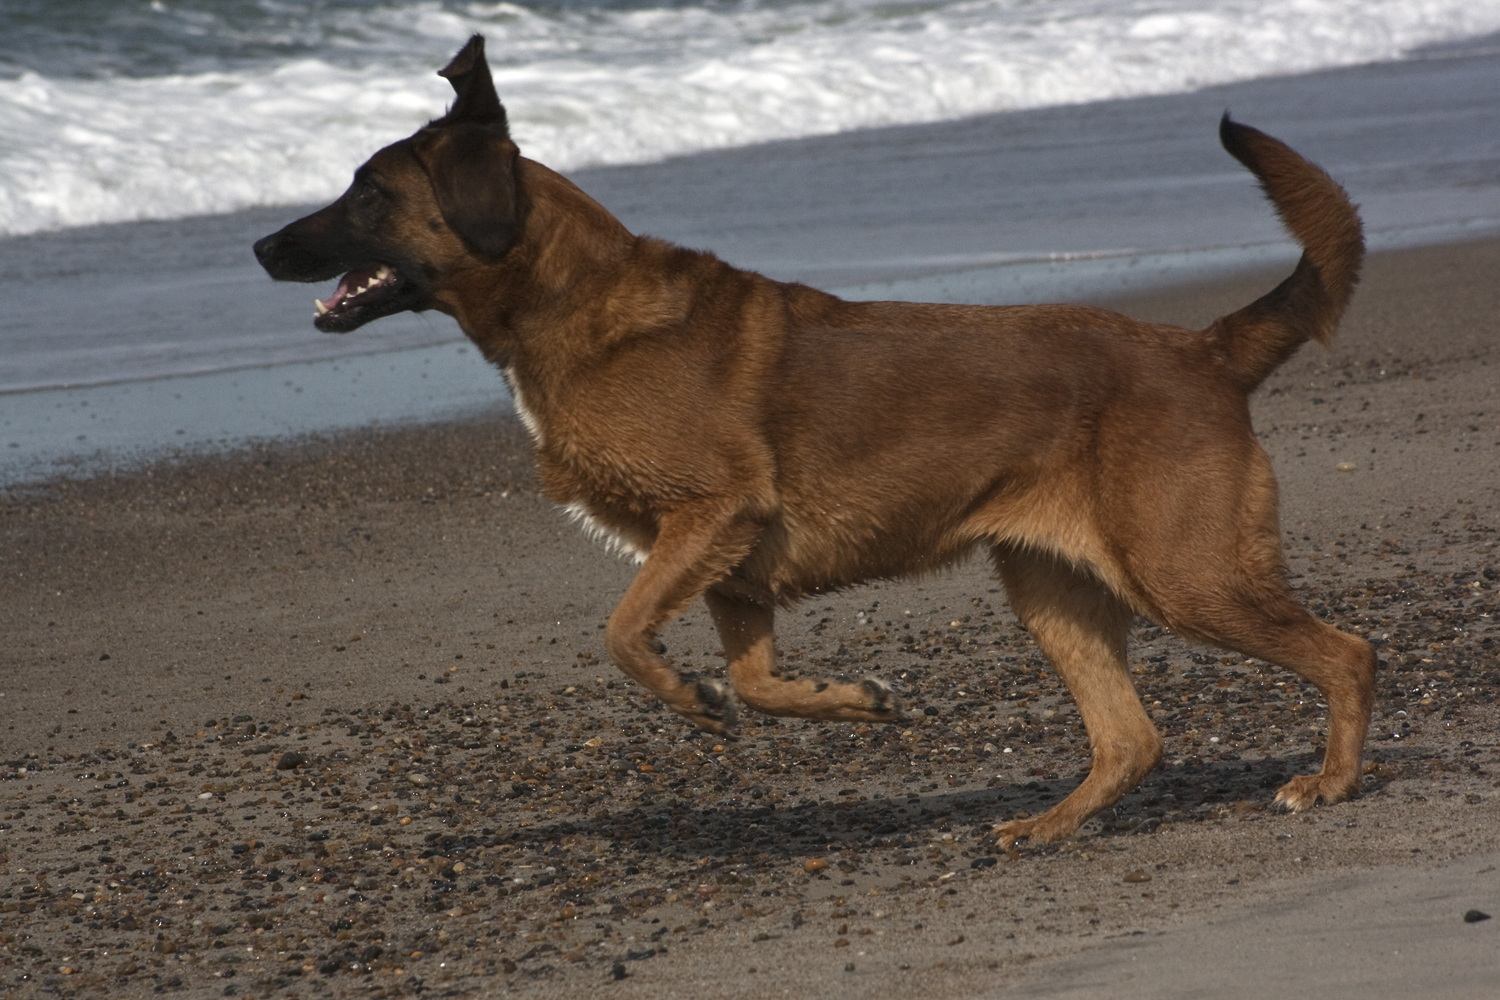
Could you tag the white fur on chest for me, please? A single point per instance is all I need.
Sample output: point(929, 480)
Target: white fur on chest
point(528, 419)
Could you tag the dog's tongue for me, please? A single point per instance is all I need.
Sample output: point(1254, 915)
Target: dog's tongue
point(350, 285)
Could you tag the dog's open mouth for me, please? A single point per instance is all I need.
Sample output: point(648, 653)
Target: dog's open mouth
point(362, 295)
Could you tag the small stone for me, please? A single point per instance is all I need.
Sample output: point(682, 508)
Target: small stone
point(1474, 916)
point(420, 780)
point(814, 865)
point(848, 966)
point(1139, 875)
point(1347, 466)
point(841, 943)
point(290, 760)
point(985, 862)
point(617, 971)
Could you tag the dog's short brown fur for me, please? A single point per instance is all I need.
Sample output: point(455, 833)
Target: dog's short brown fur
point(753, 442)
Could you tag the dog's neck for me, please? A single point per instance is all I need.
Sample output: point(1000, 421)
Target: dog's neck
point(576, 286)
point(544, 282)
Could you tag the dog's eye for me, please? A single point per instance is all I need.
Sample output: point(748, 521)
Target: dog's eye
point(367, 193)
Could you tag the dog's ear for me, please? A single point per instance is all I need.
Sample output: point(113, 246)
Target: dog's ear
point(472, 169)
point(470, 75)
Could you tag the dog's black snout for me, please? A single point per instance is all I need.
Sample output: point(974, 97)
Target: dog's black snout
point(266, 247)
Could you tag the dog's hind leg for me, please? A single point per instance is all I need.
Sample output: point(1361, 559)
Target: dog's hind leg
point(1260, 618)
point(1081, 626)
point(692, 550)
point(1225, 583)
point(745, 624)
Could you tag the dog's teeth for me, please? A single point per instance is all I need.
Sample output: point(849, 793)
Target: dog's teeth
point(320, 306)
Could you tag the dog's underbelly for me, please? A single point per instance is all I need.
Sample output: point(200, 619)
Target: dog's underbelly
point(837, 544)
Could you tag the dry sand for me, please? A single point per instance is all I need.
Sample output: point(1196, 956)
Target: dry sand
point(481, 805)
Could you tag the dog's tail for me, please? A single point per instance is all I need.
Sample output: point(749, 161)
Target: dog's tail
point(1307, 306)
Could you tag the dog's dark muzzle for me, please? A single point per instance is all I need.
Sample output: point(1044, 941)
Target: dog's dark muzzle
point(316, 248)
point(301, 251)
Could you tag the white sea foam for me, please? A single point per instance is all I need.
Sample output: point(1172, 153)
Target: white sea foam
point(612, 86)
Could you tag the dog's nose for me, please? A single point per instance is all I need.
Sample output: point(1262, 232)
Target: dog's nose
point(265, 249)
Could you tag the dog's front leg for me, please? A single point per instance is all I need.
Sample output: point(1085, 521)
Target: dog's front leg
point(693, 549)
point(745, 624)
point(1082, 626)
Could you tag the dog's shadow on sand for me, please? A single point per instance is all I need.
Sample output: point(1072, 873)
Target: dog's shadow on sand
point(940, 830)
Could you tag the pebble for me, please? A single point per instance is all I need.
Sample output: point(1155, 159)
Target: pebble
point(1474, 916)
point(291, 759)
point(1139, 875)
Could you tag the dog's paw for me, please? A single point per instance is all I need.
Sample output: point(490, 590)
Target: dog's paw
point(1043, 829)
point(1008, 835)
point(1307, 790)
point(884, 702)
point(716, 712)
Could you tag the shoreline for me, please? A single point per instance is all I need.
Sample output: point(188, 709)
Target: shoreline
point(108, 428)
point(1139, 176)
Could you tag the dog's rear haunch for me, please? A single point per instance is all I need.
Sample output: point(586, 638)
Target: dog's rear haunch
point(752, 442)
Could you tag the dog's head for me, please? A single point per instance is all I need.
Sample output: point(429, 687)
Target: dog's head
point(422, 208)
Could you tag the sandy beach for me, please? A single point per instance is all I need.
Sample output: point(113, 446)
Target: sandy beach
point(332, 717)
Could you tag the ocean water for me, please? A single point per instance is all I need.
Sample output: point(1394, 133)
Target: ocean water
point(994, 151)
point(116, 110)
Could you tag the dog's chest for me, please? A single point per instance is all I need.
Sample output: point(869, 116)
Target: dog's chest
point(594, 526)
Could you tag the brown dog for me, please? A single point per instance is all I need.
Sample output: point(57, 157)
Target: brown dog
point(752, 442)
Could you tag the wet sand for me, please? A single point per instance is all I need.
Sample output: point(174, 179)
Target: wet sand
point(480, 805)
